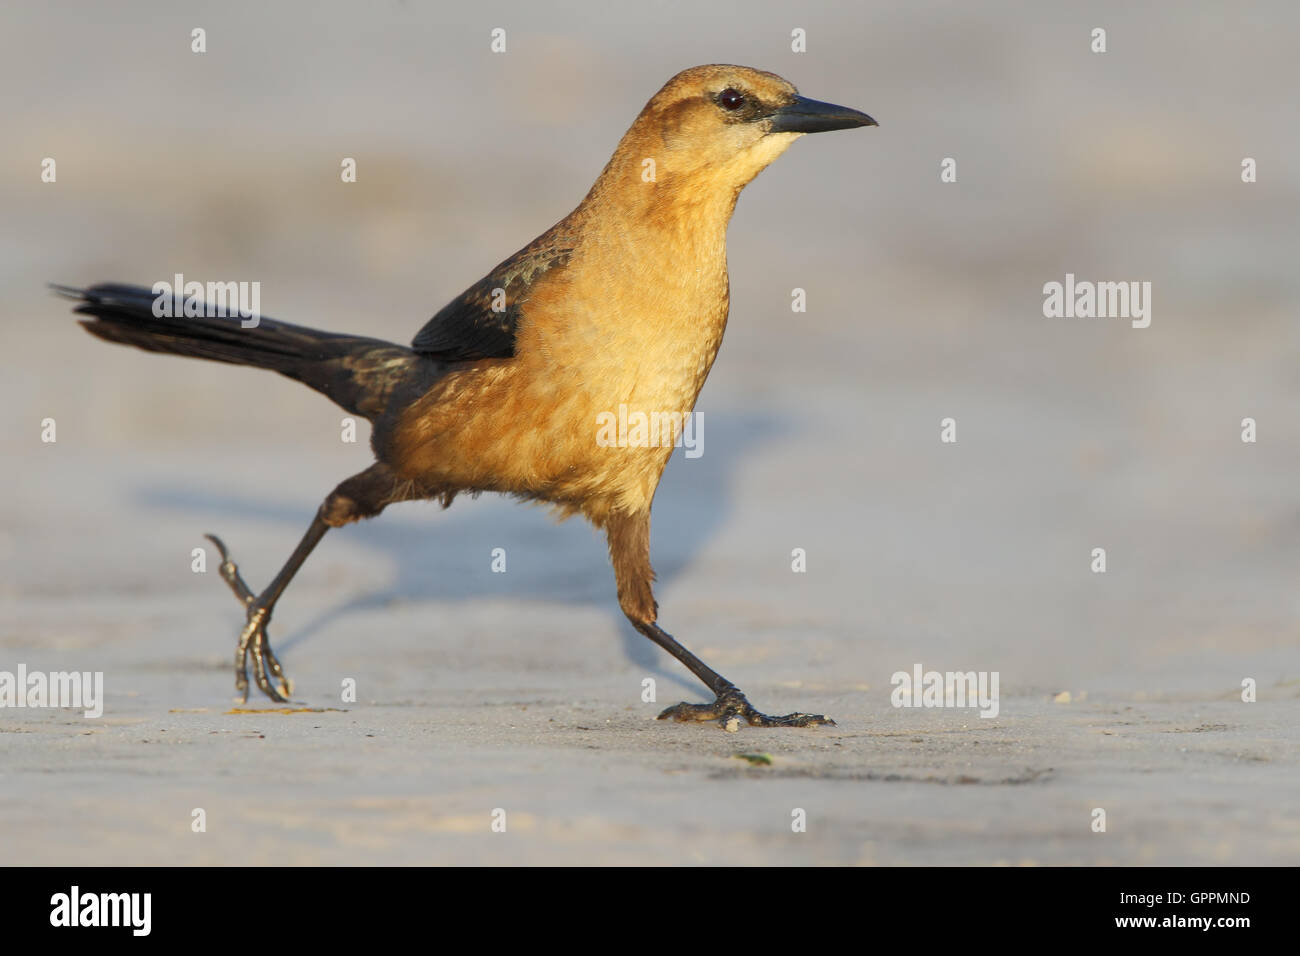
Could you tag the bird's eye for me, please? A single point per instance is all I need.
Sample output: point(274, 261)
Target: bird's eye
point(730, 99)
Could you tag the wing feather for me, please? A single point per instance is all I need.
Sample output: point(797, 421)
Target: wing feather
point(481, 321)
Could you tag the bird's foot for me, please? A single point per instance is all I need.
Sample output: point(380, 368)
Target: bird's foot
point(731, 707)
point(254, 643)
point(253, 640)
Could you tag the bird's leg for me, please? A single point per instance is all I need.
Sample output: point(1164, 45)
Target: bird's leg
point(629, 549)
point(362, 496)
point(253, 638)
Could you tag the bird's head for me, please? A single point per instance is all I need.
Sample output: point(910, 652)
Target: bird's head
point(717, 127)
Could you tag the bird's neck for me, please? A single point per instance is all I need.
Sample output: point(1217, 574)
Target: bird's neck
point(660, 196)
point(647, 284)
point(645, 194)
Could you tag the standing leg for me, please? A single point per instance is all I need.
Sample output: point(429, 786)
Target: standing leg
point(362, 496)
point(629, 550)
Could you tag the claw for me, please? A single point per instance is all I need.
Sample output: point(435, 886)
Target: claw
point(273, 667)
point(253, 640)
point(731, 707)
point(241, 661)
point(259, 669)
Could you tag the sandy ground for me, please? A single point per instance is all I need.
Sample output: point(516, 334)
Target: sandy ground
point(523, 691)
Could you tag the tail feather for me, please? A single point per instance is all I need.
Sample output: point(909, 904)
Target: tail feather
point(357, 373)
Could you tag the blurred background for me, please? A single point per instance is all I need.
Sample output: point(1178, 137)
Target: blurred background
point(924, 301)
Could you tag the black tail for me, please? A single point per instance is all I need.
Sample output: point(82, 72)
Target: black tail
point(356, 373)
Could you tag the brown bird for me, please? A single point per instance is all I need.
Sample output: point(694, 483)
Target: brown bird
point(621, 303)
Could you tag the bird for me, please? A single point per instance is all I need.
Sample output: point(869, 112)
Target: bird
point(621, 304)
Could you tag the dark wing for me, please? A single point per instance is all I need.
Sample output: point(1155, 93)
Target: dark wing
point(481, 321)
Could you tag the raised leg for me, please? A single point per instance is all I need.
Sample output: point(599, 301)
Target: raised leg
point(629, 550)
point(361, 496)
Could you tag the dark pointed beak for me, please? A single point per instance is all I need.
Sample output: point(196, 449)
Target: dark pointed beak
point(813, 116)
